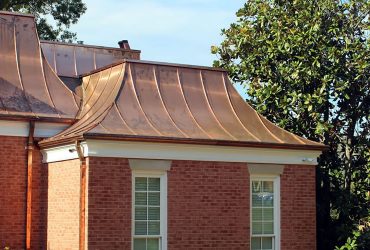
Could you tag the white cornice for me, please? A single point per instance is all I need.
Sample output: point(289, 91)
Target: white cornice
point(21, 128)
point(14, 128)
point(171, 151)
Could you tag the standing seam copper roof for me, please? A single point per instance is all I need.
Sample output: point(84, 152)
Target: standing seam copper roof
point(166, 102)
point(28, 85)
point(73, 60)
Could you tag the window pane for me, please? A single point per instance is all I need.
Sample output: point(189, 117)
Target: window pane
point(257, 227)
point(256, 186)
point(140, 198)
point(154, 184)
point(153, 228)
point(140, 184)
point(268, 227)
point(268, 186)
point(256, 200)
point(141, 228)
point(154, 213)
point(153, 244)
point(154, 199)
point(257, 214)
point(256, 243)
point(267, 243)
point(268, 200)
point(268, 214)
point(141, 213)
point(139, 244)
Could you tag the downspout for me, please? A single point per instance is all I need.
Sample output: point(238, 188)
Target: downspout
point(82, 194)
point(30, 147)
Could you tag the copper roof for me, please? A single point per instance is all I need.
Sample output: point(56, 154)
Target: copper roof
point(125, 99)
point(73, 60)
point(139, 100)
point(28, 85)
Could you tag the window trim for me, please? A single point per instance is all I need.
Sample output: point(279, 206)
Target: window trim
point(163, 204)
point(276, 183)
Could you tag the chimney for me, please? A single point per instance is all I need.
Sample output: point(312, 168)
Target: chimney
point(124, 44)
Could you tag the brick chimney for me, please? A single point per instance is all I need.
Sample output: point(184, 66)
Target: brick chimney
point(124, 44)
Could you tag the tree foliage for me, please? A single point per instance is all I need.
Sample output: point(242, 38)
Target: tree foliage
point(64, 13)
point(306, 66)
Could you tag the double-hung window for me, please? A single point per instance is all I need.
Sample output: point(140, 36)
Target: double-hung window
point(265, 213)
point(149, 212)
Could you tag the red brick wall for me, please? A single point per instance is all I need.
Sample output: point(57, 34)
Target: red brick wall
point(109, 203)
point(13, 184)
point(208, 205)
point(39, 202)
point(13, 191)
point(298, 209)
point(63, 205)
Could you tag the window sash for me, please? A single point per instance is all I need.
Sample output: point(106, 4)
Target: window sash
point(147, 219)
point(262, 244)
point(149, 203)
point(264, 217)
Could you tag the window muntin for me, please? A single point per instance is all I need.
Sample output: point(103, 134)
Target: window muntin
point(147, 213)
point(263, 213)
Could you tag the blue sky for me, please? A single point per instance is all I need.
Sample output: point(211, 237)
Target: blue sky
point(178, 31)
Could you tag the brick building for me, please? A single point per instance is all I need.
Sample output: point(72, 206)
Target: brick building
point(101, 150)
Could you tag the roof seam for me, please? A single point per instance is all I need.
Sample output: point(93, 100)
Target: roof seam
point(87, 100)
point(268, 130)
point(138, 101)
point(234, 112)
point(187, 105)
point(44, 77)
point(164, 106)
point(18, 67)
point(80, 125)
point(123, 120)
point(59, 80)
point(293, 135)
point(210, 107)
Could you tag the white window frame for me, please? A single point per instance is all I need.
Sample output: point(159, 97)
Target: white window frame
point(163, 205)
point(276, 184)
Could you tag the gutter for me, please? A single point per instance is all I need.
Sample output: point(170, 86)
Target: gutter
point(49, 143)
point(30, 147)
point(82, 230)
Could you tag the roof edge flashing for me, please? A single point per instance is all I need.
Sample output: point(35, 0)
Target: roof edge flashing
point(16, 14)
point(150, 139)
point(177, 65)
point(90, 46)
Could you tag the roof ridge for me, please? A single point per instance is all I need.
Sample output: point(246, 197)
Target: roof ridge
point(177, 65)
point(89, 46)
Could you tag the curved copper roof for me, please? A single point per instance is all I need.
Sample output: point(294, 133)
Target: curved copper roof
point(139, 100)
point(28, 85)
point(73, 60)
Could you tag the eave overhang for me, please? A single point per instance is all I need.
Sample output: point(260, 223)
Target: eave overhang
point(129, 138)
point(179, 151)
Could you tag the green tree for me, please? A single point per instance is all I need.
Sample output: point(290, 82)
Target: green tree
point(306, 66)
point(64, 13)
